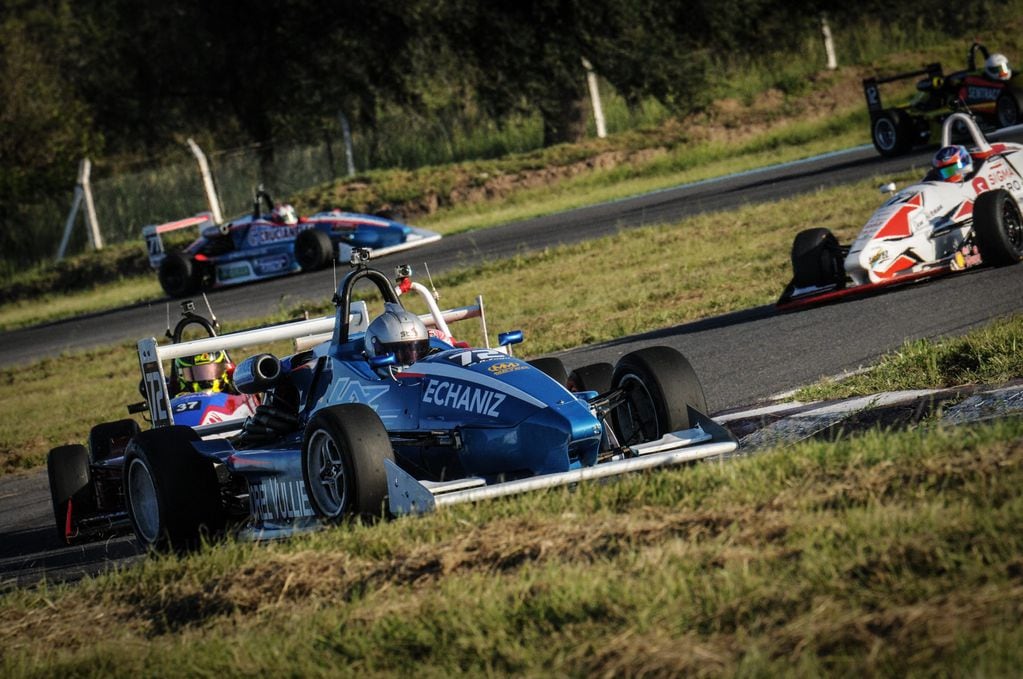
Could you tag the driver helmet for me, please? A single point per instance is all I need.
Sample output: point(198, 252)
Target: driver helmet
point(203, 372)
point(283, 213)
point(953, 163)
point(398, 332)
point(997, 67)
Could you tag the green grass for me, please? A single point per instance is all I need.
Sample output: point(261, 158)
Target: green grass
point(888, 553)
point(988, 355)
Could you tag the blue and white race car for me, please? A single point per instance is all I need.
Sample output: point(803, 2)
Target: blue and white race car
point(346, 432)
point(269, 243)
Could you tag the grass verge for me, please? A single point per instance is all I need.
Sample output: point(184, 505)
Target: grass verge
point(888, 553)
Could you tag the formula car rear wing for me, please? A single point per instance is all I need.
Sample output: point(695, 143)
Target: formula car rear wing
point(873, 93)
point(408, 495)
point(153, 233)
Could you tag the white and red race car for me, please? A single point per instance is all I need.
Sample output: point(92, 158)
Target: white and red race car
point(924, 230)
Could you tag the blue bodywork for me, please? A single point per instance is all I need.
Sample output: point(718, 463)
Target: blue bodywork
point(459, 412)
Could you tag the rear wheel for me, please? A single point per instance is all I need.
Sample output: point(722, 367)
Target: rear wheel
point(817, 259)
point(892, 133)
point(177, 275)
point(70, 484)
point(313, 249)
point(595, 377)
point(998, 228)
point(551, 367)
point(343, 453)
point(1007, 109)
point(659, 385)
point(171, 491)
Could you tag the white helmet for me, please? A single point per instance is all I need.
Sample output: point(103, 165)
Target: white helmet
point(997, 67)
point(398, 332)
point(284, 214)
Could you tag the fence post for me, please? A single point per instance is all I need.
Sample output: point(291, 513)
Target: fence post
point(83, 191)
point(207, 181)
point(829, 45)
point(346, 134)
point(598, 109)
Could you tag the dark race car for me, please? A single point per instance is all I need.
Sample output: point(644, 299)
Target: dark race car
point(270, 242)
point(989, 94)
point(86, 482)
point(352, 426)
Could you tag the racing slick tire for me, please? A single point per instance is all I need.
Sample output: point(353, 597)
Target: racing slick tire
point(817, 259)
point(1008, 109)
point(343, 453)
point(659, 386)
point(70, 482)
point(595, 377)
point(108, 439)
point(551, 367)
point(998, 228)
point(171, 491)
point(313, 249)
point(177, 275)
point(892, 133)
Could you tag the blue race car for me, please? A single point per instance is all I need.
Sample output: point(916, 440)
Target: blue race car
point(352, 426)
point(270, 242)
point(86, 482)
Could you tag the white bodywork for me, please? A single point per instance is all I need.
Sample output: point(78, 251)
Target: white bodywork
point(925, 225)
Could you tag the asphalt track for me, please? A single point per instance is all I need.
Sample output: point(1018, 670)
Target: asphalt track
point(741, 357)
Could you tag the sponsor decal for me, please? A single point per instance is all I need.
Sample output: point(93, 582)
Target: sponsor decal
point(879, 256)
point(230, 271)
point(505, 367)
point(274, 500)
point(346, 390)
point(273, 264)
point(261, 235)
point(464, 397)
point(980, 185)
point(473, 356)
point(974, 93)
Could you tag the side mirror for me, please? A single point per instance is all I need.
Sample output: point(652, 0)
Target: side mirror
point(506, 339)
point(257, 373)
point(887, 188)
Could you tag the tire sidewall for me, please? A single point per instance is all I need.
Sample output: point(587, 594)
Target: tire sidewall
point(668, 379)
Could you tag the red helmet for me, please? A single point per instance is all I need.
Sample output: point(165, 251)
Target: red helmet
point(953, 163)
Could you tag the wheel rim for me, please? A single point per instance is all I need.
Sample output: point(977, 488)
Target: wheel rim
point(325, 468)
point(637, 416)
point(884, 133)
point(145, 507)
point(1013, 224)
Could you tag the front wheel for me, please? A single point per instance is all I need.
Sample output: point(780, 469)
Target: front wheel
point(817, 259)
point(658, 387)
point(595, 377)
point(552, 367)
point(171, 491)
point(998, 228)
point(343, 453)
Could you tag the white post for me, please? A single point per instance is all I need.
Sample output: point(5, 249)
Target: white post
point(829, 45)
point(95, 237)
point(76, 203)
point(346, 134)
point(598, 109)
point(207, 181)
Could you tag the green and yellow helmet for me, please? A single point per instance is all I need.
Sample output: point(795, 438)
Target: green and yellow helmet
point(203, 372)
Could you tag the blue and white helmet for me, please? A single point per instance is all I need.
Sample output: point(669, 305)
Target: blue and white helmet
point(953, 163)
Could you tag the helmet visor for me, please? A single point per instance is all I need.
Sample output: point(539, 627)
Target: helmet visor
point(407, 353)
point(950, 171)
point(207, 372)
